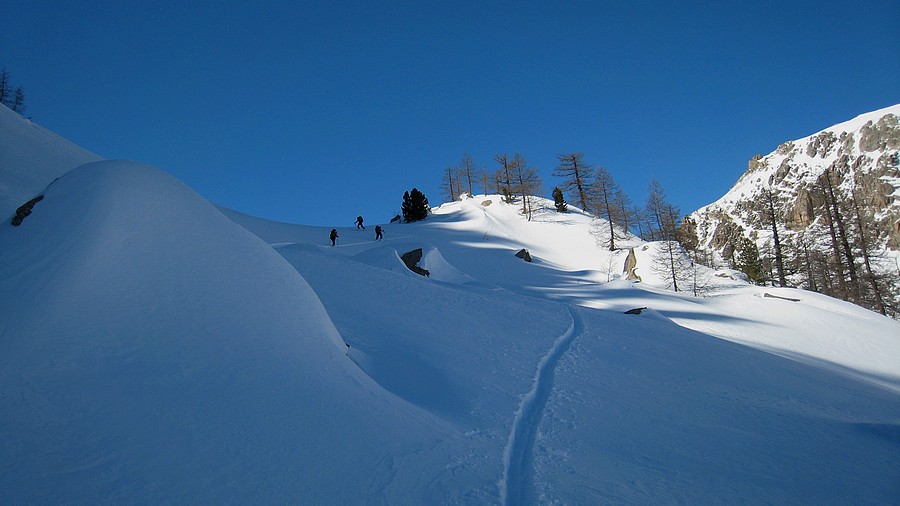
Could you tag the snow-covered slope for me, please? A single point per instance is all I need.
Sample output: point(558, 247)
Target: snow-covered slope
point(156, 351)
point(30, 158)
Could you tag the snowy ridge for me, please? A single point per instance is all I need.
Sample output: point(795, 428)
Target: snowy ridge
point(30, 158)
point(796, 151)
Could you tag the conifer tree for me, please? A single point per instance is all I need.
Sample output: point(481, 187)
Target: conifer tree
point(749, 263)
point(415, 206)
point(559, 200)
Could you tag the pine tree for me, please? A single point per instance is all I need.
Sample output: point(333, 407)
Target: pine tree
point(749, 263)
point(559, 200)
point(415, 206)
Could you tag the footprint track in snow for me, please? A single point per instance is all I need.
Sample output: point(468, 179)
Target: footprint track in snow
point(517, 454)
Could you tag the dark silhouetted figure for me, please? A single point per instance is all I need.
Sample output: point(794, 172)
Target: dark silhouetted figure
point(333, 236)
point(378, 235)
point(359, 223)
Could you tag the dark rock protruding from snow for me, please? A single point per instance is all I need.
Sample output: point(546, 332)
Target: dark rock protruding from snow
point(24, 210)
point(524, 255)
point(411, 259)
point(636, 310)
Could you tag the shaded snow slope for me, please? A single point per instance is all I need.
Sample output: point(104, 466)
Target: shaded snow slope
point(159, 353)
point(645, 412)
point(30, 158)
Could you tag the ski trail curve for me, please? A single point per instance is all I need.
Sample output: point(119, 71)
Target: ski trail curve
point(517, 454)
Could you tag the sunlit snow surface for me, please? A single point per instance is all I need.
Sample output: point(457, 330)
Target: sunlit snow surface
point(156, 351)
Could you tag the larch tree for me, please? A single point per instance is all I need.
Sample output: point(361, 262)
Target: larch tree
point(450, 185)
point(526, 181)
point(865, 238)
point(504, 178)
point(576, 176)
point(763, 213)
point(663, 216)
point(468, 174)
point(5, 87)
point(603, 191)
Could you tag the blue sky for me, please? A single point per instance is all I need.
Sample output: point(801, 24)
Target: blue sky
point(315, 112)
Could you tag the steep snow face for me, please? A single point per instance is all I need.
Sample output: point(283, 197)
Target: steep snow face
point(154, 351)
point(30, 158)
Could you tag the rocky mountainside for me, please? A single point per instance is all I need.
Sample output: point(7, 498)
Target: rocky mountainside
point(821, 212)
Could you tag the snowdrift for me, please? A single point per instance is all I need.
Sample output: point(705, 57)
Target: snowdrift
point(159, 353)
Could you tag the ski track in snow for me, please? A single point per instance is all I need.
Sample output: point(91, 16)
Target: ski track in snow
point(517, 454)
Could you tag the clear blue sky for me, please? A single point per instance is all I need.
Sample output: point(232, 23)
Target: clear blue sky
point(315, 112)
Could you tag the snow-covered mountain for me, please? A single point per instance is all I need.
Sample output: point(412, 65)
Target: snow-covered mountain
point(822, 223)
point(157, 349)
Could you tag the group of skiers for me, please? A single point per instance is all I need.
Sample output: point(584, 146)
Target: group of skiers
point(359, 226)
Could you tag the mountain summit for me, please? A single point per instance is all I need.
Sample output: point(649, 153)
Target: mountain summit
point(832, 199)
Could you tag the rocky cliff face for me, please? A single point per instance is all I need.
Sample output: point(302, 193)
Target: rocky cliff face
point(835, 200)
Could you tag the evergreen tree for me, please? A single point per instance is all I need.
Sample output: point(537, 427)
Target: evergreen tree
point(749, 263)
point(559, 200)
point(415, 206)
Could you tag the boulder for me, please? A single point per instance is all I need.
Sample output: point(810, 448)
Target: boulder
point(411, 259)
point(24, 210)
point(524, 255)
